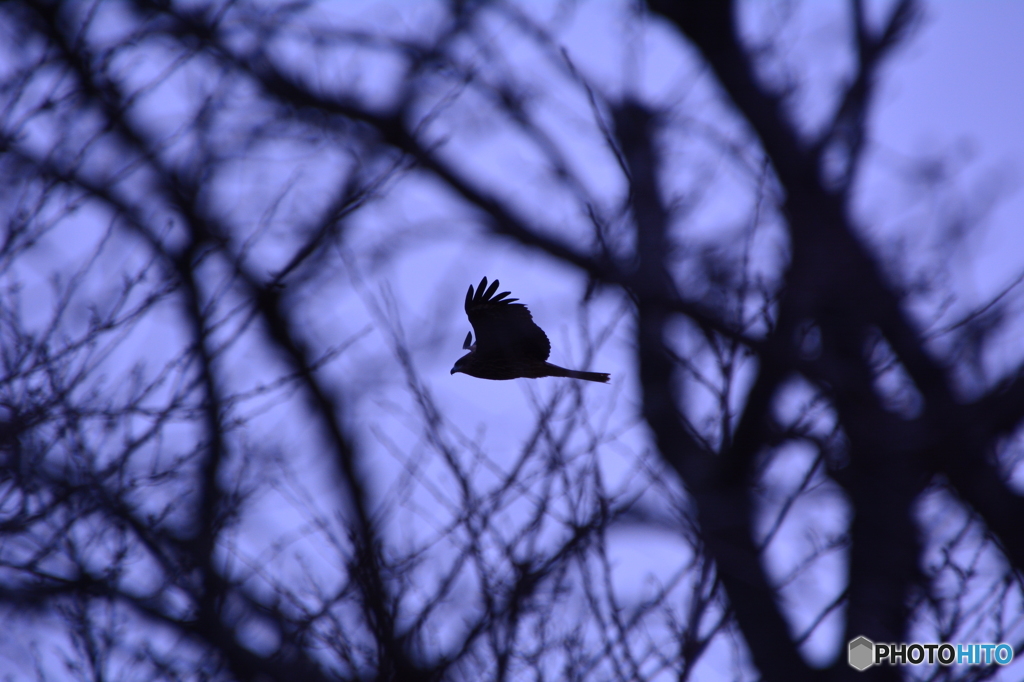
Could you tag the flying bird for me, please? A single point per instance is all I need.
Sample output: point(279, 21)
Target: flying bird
point(509, 345)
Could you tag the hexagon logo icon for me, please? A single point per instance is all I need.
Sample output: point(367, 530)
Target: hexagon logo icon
point(861, 653)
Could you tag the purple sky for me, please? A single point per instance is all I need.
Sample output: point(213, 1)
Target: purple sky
point(959, 86)
point(955, 94)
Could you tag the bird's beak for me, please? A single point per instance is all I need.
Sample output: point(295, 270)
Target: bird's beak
point(453, 370)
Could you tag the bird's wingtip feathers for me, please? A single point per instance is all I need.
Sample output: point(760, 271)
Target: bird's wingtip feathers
point(485, 294)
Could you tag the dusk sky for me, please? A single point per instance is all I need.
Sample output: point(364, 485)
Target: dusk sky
point(939, 196)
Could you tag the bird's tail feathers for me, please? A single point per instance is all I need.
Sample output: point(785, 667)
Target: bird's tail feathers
point(557, 371)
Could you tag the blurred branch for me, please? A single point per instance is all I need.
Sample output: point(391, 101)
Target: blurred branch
point(723, 507)
point(846, 299)
point(134, 497)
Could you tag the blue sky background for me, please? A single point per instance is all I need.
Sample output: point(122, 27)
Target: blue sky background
point(945, 167)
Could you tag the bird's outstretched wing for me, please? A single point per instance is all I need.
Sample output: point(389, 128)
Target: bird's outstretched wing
point(504, 328)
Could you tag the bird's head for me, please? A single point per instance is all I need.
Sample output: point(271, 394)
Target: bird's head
point(461, 363)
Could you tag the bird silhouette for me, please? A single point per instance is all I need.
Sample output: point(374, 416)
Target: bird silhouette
point(509, 344)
